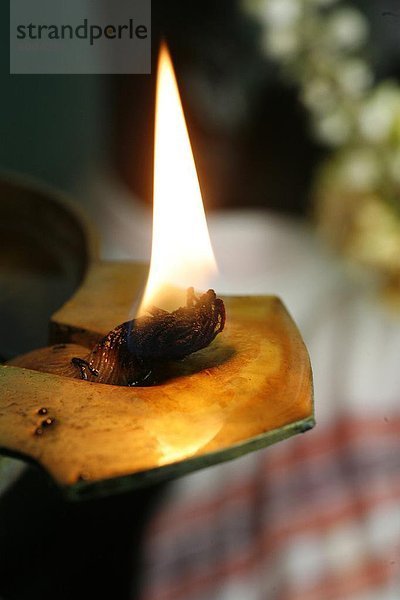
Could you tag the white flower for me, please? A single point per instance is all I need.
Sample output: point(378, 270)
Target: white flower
point(378, 115)
point(280, 43)
point(346, 29)
point(334, 129)
point(354, 77)
point(360, 169)
point(280, 13)
point(318, 95)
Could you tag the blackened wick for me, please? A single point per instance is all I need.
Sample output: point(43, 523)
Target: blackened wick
point(128, 354)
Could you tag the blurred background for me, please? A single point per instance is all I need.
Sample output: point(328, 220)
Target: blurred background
point(293, 108)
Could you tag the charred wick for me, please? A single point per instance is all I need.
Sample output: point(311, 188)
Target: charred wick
point(128, 354)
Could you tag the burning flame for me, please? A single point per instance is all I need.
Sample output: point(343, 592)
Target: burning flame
point(181, 253)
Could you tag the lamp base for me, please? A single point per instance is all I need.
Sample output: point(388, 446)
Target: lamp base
point(251, 388)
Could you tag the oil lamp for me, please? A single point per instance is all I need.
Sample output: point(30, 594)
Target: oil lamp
point(248, 388)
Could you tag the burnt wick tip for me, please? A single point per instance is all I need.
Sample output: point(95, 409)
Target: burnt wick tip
point(127, 354)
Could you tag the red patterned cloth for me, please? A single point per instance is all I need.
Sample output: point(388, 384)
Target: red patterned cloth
point(315, 518)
